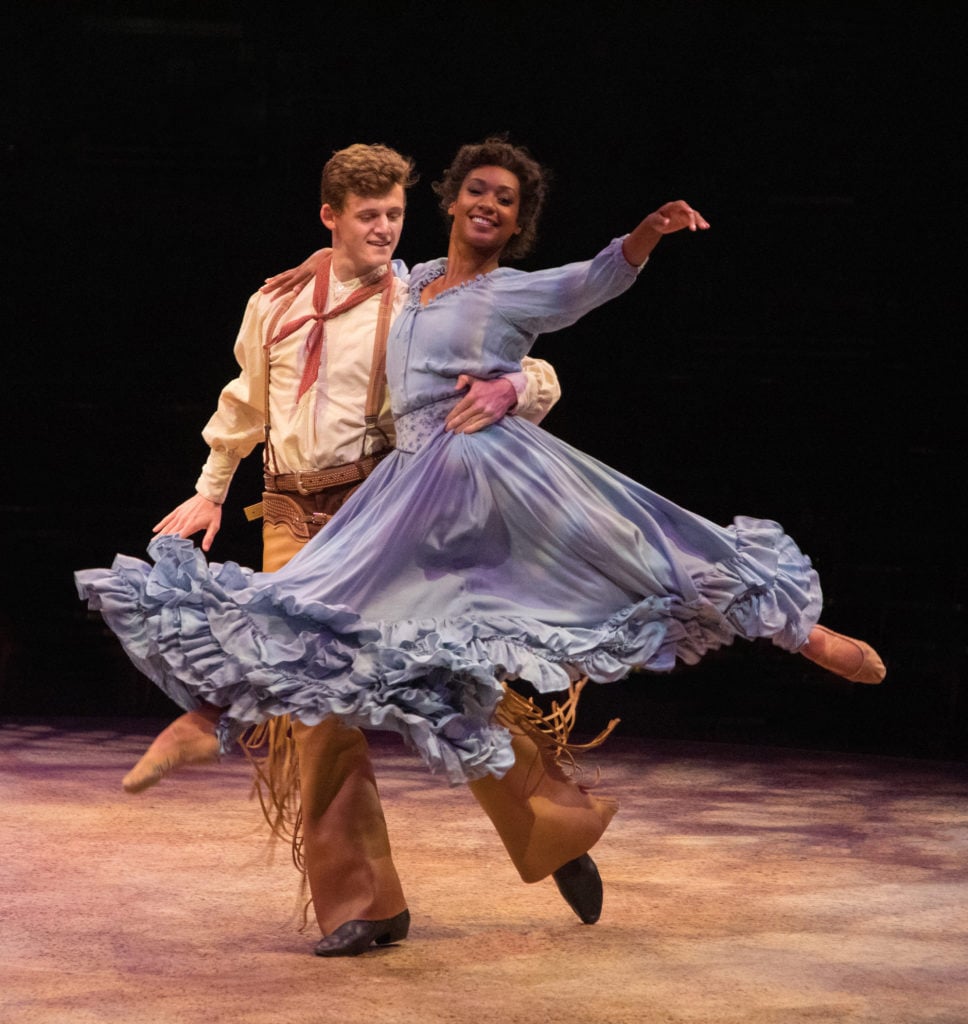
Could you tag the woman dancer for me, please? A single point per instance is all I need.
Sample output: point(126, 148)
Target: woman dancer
point(467, 559)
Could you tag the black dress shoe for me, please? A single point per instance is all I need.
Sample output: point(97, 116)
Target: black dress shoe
point(581, 885)
point(356, 937)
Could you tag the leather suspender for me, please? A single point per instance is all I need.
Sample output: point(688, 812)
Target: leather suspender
point(376, 389)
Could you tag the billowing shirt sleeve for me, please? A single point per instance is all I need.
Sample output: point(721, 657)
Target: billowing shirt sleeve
point(537, 387)
point(238, 424)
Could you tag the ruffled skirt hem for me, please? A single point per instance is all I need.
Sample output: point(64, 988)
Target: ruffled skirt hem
point(209, 632)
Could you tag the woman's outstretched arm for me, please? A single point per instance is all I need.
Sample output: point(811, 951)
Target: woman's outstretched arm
point(669, 218)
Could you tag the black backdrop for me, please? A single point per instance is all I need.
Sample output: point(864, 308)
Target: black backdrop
point(799, 361)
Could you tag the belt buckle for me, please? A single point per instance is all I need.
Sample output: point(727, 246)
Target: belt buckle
point(299, 486)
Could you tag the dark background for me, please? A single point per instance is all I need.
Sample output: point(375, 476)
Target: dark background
point(800, 361)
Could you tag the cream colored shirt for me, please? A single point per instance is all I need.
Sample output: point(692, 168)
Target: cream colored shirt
point(326, 426)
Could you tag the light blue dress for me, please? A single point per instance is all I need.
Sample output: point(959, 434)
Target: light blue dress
point(463, 560)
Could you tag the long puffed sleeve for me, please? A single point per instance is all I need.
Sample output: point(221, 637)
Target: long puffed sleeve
point(544, 301)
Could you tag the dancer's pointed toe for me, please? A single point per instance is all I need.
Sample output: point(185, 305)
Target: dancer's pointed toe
point(872, 669)
point(190, 739)
point(851, 659)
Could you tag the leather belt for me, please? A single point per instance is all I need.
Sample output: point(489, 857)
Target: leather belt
point(322, 479)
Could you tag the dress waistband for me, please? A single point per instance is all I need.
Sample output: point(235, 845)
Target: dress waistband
point(415, 428)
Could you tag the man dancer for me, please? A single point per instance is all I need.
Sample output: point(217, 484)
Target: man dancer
point(312, 389)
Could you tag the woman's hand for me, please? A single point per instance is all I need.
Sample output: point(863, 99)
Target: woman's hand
point(675, 216)
point(670, 217)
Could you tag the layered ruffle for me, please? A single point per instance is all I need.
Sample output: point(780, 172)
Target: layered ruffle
point(202, 633)
point(222, 634)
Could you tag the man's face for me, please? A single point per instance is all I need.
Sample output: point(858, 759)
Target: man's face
point(365, 232)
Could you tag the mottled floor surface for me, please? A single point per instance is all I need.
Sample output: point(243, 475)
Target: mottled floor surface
point(743, 885)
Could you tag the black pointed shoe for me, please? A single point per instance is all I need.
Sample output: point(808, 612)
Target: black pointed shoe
point(355, 937)
point(581, 885)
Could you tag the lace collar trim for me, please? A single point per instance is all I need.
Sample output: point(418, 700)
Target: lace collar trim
point(437, 269)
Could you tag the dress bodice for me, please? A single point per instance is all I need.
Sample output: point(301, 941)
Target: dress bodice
point(486, 326)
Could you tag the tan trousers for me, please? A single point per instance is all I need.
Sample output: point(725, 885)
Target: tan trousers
point(543, 818)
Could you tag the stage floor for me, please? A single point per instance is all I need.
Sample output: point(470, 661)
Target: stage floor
point(742, 886)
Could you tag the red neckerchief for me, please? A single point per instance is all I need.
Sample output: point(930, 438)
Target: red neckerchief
point(314, 343)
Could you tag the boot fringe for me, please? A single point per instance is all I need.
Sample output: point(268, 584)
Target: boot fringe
point(551, 731)
point(271, 750)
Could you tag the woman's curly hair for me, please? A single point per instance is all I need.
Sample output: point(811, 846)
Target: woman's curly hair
point(496, 151)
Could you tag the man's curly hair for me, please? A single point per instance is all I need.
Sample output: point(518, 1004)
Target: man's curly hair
point(366, 170)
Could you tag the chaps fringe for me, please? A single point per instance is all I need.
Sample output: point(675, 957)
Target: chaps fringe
point(271, 750)
point(551, 732)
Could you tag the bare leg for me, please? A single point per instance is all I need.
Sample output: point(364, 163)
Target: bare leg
point(190, 739)
point(844, 656)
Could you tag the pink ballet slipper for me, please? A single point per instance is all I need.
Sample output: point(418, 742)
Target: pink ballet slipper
point(839, 654)
point(190, 739)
